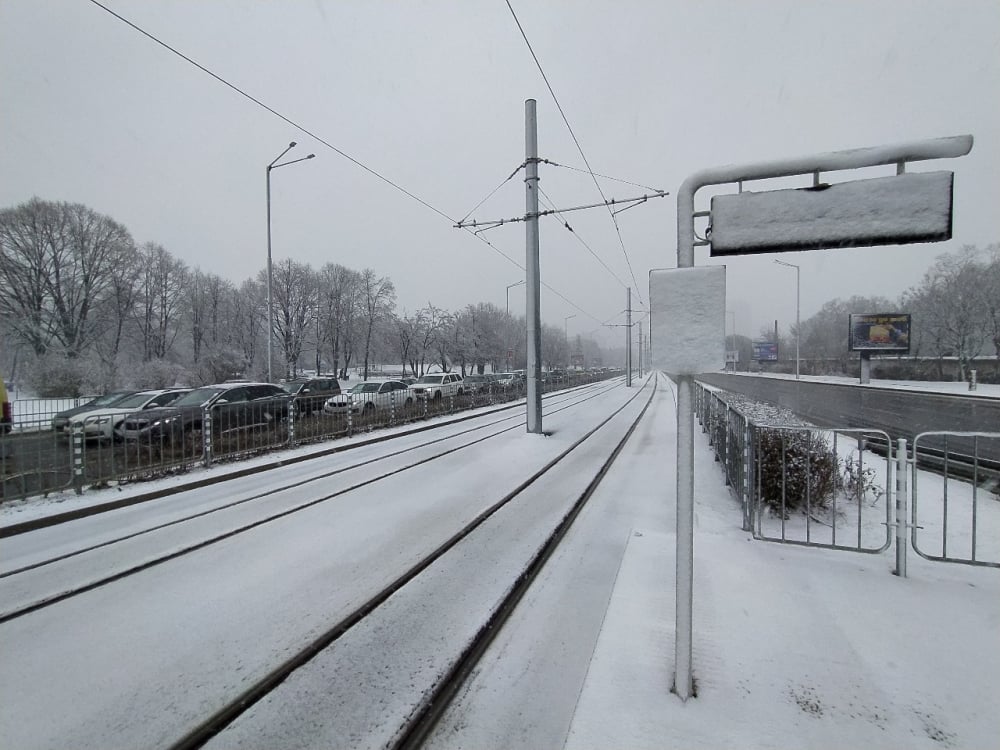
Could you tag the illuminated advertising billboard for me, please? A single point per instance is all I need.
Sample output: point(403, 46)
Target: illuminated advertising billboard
point(765, 351)
point(880, 332)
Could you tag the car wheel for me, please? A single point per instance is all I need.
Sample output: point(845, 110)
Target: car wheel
point(461, 392)
point(409, 402)
point(437, 395)
point(369, 407)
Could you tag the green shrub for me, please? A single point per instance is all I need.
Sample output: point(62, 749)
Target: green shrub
point(795, 465)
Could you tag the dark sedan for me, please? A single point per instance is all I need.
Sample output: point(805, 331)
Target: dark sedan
point(231, 406)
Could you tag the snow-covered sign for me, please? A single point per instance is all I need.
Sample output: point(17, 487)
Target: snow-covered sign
point(894, 210)
point(687, 321)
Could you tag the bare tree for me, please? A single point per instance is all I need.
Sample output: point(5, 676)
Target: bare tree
point(338, 289)
point(57, 267)
point(293, 290)
point(247, 322)
point(378, 299)
point(950, 307)
point(405, 327)
point(432, 325)
point(162, 285)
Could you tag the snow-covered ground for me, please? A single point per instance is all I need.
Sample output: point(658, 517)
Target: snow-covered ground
point(793, 647)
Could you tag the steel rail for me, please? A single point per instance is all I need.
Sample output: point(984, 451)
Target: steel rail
point(226, 715)
point(174, 554)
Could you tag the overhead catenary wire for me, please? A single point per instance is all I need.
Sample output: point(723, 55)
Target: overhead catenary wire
point(603, 176)
point(493, 192)
point(580, 239)
point(579, 148)
point(318, 139)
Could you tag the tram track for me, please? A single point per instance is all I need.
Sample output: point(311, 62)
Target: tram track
point(434, 699)
point(21, 595)
point(173, 655)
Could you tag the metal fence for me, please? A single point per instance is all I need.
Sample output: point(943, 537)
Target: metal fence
point(36, 459)
point(847, 488)
point(957, 510)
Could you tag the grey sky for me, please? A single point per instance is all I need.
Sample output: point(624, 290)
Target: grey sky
point(431, 95)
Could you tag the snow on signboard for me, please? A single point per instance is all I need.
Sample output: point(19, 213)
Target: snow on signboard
point(687, 320)
point(895, 210)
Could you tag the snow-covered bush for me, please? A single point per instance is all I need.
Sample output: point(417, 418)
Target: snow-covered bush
point(795, 465)
point(859, 481)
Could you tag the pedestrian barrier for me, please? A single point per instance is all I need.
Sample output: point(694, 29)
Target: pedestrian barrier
point(847, 488)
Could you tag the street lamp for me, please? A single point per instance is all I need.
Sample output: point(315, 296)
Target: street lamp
point(731, 343)
point(566, 336)
point(270, 274)
point(798, 327)
point(509, 287)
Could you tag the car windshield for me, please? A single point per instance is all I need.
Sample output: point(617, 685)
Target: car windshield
point(429, 380)
point(293, 387)
point(477, 378)
point(108, 399)
point(134, 401)
point(365, 388)
point(197, 397)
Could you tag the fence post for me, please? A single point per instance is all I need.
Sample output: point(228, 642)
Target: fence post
point(392, 407)
point(350, 414)
point(77, 457)
point(748, 474)
point(206, 434)
point(728, 444)
point(901, 514)
point(292, 413)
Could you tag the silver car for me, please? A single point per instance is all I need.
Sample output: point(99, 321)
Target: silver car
point(369, 397)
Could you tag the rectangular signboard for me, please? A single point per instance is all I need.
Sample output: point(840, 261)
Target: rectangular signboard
point(880, 332)
point(687, 322)
point(765, 351)
point(896, 210)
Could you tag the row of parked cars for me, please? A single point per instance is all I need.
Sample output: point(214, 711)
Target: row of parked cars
point(172, 412)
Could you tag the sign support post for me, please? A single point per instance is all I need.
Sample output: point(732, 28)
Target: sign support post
point(899, 154)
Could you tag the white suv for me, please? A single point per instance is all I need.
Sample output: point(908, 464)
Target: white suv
point(434, 387)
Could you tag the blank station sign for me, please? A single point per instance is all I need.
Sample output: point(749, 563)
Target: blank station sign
point(895, 210)
point(687, 324)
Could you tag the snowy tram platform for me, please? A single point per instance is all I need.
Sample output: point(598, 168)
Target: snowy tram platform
point(793, 646)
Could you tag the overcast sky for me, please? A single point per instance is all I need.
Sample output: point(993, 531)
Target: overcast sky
point(431, 96)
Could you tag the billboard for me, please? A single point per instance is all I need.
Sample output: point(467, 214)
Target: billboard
point(879, 332)
point(765, 351)
point(912, 207)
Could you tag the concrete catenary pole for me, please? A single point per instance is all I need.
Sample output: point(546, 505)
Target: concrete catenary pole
point(628, 338)
point(533, 289)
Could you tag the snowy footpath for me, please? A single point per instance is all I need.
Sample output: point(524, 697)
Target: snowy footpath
point(793, 647)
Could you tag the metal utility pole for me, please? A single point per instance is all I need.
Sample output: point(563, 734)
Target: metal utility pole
point(640, 350)
point(628, 339)
point(798, 325)
point(533, 288)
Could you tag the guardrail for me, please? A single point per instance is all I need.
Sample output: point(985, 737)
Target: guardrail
point(846, 488)
point(37, 460)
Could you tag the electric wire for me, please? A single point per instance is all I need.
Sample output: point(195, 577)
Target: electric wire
point(493, 192)
point(579, 148)
point(565, 223)
point(604, 176)
point(306, 131)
